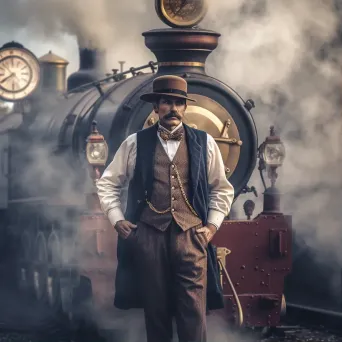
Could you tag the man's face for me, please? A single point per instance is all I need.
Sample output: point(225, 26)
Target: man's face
point(170, 110)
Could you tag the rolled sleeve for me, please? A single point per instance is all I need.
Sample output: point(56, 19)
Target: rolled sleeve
point(221, 191)
point(113, 184)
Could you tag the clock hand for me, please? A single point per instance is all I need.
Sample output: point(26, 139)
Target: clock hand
point(7, 78)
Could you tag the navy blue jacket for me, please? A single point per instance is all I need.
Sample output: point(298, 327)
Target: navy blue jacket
point(127, 293)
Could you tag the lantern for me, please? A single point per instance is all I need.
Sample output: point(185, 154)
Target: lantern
point(97, 148)
point(271, 156)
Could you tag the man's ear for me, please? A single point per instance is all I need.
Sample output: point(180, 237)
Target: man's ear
point(155, 107)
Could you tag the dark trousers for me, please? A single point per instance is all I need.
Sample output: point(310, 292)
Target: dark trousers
point(173, 274)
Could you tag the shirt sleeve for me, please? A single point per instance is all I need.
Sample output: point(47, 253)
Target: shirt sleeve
point(221, 191)
point(115, 180)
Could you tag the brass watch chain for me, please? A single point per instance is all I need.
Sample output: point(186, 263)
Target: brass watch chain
point(183, 194)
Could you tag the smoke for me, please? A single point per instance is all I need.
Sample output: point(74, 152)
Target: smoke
point(112, 25)
point(285, 55)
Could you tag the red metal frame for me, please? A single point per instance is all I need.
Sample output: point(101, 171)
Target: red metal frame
point(260, 259)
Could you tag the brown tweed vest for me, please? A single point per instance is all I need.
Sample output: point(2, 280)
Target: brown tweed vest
point(167, 193)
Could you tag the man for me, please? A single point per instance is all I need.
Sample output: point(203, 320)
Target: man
point(178, 196)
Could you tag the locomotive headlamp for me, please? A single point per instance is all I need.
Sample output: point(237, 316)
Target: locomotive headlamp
point(97, 148)
point(271, 156)
point(273, 150)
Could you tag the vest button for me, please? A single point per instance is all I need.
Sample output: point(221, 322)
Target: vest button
point(172, 209)
point(173, 188)
point(172, 176)
point(173, 198)
point(173, 166)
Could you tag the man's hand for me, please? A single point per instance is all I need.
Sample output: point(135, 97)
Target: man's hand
point(124, 228)
point(208, 231)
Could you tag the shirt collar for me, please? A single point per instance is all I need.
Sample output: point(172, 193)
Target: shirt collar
point(174, 130)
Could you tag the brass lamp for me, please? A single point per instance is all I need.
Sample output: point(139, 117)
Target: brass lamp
point(271, 156)
point(96, 150)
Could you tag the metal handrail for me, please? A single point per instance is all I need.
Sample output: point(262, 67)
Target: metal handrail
point(115, 77)
point(236, 297)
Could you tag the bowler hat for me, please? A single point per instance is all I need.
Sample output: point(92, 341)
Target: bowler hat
point(168, 85)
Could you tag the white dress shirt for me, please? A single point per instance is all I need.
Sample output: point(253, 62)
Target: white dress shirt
point(113, 185)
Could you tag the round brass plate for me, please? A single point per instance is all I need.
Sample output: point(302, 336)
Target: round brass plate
point(209, 116)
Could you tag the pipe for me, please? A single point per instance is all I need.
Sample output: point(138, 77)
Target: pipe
point(236, 297)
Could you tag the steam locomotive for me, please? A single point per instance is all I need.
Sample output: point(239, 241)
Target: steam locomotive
point(60, 245)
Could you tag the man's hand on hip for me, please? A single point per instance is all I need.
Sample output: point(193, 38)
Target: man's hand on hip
point(124, 228)
point(208, 231)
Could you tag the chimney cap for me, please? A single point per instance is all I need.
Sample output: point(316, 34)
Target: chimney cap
point(51, 58)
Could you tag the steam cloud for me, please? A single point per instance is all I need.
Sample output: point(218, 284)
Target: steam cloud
point(279, 53)
point(283, 54)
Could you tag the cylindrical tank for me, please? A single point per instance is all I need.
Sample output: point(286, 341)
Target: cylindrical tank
point(53, 70)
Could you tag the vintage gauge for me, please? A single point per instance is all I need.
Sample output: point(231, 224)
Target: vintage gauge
point(19, 73)
point(181, 13)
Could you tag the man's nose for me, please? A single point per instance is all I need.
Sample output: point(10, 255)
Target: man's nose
point(174, 106)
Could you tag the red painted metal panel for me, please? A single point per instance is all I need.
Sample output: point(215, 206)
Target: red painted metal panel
point(260, 259)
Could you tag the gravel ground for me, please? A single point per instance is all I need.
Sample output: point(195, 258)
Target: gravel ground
point(299, 334)
point(24, 337)
point(304, 334)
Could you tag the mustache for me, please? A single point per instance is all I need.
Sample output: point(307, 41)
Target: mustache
point(171, 115)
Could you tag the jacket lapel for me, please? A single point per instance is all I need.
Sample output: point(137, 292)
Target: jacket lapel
point(195, 157)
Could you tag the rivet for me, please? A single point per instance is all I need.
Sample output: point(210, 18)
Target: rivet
point(243, 267)
point(268, 274)
point(256, 268)
point(256, 246)
point(262, 270)
point(237, 284)
point(274, 269)
point(243, 277)
point(262, 283)
point(256, 234)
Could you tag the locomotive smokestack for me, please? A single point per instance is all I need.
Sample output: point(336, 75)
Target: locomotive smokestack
point(181, 50)
point(92, 63)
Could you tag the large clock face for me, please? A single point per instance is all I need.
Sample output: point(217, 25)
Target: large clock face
point(181, 13)
point(19, 74)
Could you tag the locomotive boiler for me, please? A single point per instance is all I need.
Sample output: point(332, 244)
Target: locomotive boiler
point(62, 247)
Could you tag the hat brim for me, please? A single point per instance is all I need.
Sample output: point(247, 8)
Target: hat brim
point(151, 97)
